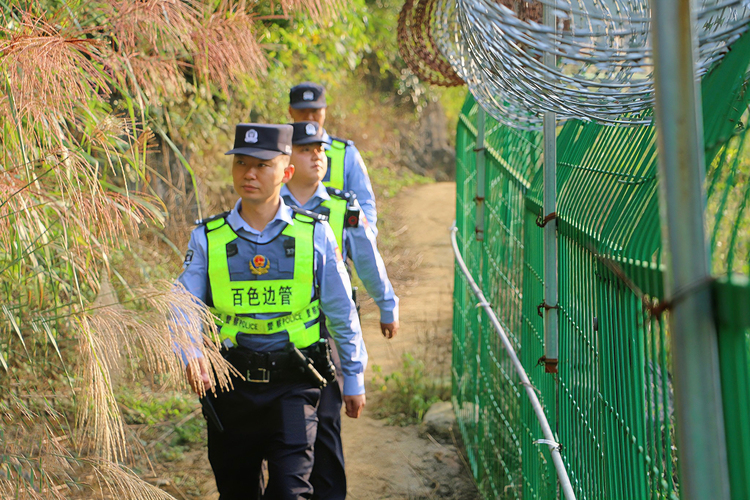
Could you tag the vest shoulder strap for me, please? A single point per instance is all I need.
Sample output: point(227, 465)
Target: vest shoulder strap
point(338, 193)
point(307, 215)
point(345, 142)
point(201, 222)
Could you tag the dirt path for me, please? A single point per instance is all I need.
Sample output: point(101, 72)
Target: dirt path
point(395, 462)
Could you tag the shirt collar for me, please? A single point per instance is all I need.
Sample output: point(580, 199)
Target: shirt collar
point(320, 195)
point(283, 214)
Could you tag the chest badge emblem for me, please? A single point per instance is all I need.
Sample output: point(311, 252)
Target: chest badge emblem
point(259, 265)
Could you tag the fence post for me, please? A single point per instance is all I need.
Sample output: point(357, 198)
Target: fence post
point(479, 150)
point(700, 423)
point(549, 208)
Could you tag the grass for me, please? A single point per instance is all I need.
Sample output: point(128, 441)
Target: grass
point(387, 182)
point(405, 395)
point(142, 406)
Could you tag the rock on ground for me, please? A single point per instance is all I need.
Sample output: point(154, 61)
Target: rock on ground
point(439, 422)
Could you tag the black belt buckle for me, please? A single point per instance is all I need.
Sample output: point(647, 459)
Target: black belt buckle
point(265, 376)
point(258, 372)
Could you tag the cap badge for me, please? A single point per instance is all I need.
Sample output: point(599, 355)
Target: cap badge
point(310, 129)
point(288, 150)
point(308, 95)
point(251, 136)
point(259, 265)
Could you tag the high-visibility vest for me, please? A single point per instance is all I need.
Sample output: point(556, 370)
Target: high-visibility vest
point(234, 299)
point(336, 211)
point(335, 176)
point(340, 212)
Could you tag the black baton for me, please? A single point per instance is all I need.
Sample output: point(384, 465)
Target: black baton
point(305, 364)
point(210, 412)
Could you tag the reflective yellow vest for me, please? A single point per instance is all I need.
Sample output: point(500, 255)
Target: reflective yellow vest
point(336, 155)
point(233, 300)
point(336, 211)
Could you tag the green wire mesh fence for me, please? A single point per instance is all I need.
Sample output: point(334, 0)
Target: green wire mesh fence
point(611, 404)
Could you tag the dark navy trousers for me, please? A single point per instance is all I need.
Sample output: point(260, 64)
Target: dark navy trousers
point(328, 476)
point(277, 422)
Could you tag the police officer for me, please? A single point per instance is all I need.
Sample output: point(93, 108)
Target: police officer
point(268, 272)
point(357, 242)
point(347, 171)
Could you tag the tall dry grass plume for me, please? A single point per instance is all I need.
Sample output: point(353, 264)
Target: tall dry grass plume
point(86, 94)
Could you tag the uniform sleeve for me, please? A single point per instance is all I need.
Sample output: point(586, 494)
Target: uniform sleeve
point(194, 279)
point(341, 313)
point(363, 250)
point(356, 179)
point(194, 275)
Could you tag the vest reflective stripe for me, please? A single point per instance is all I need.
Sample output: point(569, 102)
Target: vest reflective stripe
point(291, 296)
point(336, 153)
point(337, 208)
point(266, 326)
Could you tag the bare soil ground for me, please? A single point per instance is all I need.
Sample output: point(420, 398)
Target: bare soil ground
point(395, 462)
point(384, 461)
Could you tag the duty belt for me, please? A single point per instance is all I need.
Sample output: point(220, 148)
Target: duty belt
point(282, 366)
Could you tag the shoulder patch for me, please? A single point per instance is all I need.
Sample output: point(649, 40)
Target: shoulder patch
point(315, 217)
point(200, 222)
point(188, 258)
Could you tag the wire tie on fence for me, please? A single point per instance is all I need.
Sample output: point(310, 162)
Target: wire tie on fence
point(531, 386)
point(656, 310)
point(543, 222)
point(546, 307)
point(477, 150)
point(550, 442)
point(482, 304)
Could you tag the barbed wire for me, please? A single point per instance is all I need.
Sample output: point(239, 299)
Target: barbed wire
point(604, 68)
point(417, 47)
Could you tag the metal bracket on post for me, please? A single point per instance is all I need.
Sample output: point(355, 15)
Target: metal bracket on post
point(480, 152)
point(702, 452)
point(549, 223)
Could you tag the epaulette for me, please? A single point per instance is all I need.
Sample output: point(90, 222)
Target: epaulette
point(344, 195)
point(199, 222)
point(308, 213)
point(345, 141)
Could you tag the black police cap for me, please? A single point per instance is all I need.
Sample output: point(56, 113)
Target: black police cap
point(307, 95)
point(262, 141)
point(308, 133)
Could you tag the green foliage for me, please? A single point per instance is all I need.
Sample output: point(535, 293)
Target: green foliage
point(452, 99)
point(171, 422)
point(405, 395)
point(142, 406)
point(185, 437)
point(727, 179)
point(389, 182)
point(115, 117)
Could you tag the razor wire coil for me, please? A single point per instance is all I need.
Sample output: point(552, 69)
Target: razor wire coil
point(604, 61)
point(418, 48)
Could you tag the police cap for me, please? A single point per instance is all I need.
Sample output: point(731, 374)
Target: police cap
point(308, 133)
point(307, 95)
point(262, 141)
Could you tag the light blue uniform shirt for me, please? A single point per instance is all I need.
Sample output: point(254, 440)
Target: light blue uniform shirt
point(357, 180)
point(360, 245)
point(330, 276)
